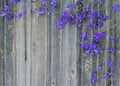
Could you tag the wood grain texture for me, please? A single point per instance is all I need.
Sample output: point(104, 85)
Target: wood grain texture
point(33, 52)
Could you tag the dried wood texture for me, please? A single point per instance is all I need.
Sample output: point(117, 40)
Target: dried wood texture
point(33, 52)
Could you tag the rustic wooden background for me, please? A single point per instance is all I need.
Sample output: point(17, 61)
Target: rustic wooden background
point(34, 53)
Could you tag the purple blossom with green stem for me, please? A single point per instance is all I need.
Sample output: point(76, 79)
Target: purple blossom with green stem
point(108, 75)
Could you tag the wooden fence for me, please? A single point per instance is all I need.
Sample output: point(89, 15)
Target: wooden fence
point(33, 52)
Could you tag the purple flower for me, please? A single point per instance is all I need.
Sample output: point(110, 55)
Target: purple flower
point(24, 13)
point(72, 19)
point(54, 3)
point(45, 2)
point(100, 67)
point(65, 15)
point(116, 8)
point(32, 8)
point(60, 25)
point(85, 46)
point(100, 24)
point(104, 18)
point(81, 0)
point(98, 51)
point(100, 2)
point(10, 16)
point(4, 13)
point(99, 36)
point(49, 12)
point(112, 49)
point(19, 15)
point(94, 78)
point(92, 15)
point(6, 10)
point(110, 63)
point(85, 35)
point(69, 5)
point(90, 25)
point(42, 11)
point(76, 4)
point(108, 75)
point(23, 1)
point(113, 39)
point(12, 1)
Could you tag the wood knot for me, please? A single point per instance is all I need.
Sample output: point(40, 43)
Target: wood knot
point(87, 66)
point(72, 72)
point(53, 83)
point(1, 54)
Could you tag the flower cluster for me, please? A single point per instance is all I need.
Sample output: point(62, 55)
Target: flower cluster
point(44, 9)
point(96, 75)
point(16, 1)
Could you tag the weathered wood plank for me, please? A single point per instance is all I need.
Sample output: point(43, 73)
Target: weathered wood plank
point(116, 78)
point(69, 53)
point(41, 50)
point(9, 65)
point(23, 48)
point(55, 47)
point(1, 47)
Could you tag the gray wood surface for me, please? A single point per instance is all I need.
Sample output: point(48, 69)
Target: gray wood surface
point(33, 52)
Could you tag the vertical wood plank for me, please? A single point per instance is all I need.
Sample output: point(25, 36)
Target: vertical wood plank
point(1, 47)
point(23, 45)
point(9, 65)
point(55, 47)
point(116, 78)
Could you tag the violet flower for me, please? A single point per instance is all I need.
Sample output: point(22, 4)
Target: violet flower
point(23, 1)
point(69, 5)
point(72, 19)
point(100, 67)
point(42, 11)
point(108, 75)
point(45, 2)
point(85, 35)
point(10, 16)
point(6, 10)
point(49, 11)
point(94, 78)
point(113, 39)
point(116, 8)
point(19, 15)
point(112, 49)
point(54, 3)
point(110, 63)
